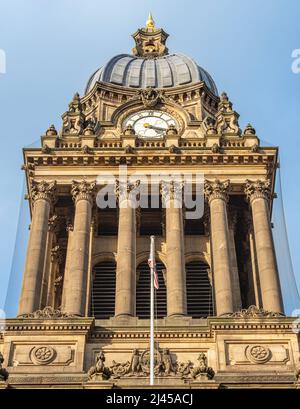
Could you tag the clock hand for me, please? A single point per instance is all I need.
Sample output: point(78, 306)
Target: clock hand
point(157, 128)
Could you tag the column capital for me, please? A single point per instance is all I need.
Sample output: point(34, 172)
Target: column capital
point(83, 190)
point(171, 190)
point(216, 190)
point(259, 189)
point(124, 189)
point(43, 190)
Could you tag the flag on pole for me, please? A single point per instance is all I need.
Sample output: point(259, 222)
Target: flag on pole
point(152, 264)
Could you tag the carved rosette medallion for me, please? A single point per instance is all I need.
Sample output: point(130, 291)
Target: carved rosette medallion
point(216, 190)
point(42, 355)
point(260, 189)
point(258, 354)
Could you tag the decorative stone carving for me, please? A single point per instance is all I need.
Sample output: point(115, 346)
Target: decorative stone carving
point(150, 97)
point(171, 190)
point(258, 189)
point(209, 125)
point(258, 354)
point(99, 372)
point(46, 149)
point(216, 190)
point(216, 148)
point(51, 131)
point(174, 149)
point(150, 41)
point(172, 131)
point(83, 190)
point(87, 150)
point(254, 312)
point(227, 119)
point(249, 130)
point(129, 130)
point(47, 313)
point(74, 119)
point(43, 190)
point(125, 190)
point(3, 372)
point(168, 366)
point(185, 369)
point(119, 369)
point(42, 355)
point(90, 129)
point(129, 149)
point(202, 370)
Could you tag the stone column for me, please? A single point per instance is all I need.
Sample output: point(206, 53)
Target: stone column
point(235, 280)
point(126, 256)
point(258, 194)
point(69, 228)
point(176, 277)
point(217, 195)
point(42, 195)
point(75, 288)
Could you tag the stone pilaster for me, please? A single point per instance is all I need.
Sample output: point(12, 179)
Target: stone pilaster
point(126, 257)
point(42, 196)
point(216, 194)
point(258, 194)
point(75, 288)
point(176, 276)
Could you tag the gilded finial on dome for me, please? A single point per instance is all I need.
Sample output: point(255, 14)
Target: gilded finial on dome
point(150, 22)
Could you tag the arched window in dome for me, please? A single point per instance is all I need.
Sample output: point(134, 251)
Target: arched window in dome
point(143, 291)
point(198, 290)
point(102, 305)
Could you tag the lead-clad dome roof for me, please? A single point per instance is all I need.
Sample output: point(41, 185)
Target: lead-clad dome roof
point(171, 70)
point(151, 65)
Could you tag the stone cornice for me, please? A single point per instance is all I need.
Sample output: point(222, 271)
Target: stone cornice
point(146, 158)
point(191, 331)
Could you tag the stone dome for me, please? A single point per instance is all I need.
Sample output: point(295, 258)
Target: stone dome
point(163, 71)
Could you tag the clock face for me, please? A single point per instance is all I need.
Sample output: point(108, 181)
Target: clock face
point(150, 124)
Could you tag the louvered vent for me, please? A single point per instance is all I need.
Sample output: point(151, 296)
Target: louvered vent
point(199, 291)
point(103, 290)
point(143, 292)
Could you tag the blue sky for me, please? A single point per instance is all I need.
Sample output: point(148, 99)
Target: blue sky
point(52, 46)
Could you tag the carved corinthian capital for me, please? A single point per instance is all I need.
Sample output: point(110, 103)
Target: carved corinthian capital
point(216, 190)
point(125, 190)
point(260, 189)
point(171, 190)
point(43, 190)
point(83, 190)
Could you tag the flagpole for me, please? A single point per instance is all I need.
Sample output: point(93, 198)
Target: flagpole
point(152, 258)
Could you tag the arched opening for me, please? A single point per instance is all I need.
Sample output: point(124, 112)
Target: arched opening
point(102, 305)
point(143, 291)
point(198, 290)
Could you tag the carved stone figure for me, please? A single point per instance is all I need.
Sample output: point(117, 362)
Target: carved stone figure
point(135, 365)
point(185, 369)
point(99, 371)
point(168, 366)
point(120, 369)
point(202, 370)
point(3, 372)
